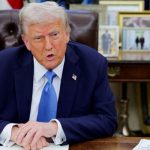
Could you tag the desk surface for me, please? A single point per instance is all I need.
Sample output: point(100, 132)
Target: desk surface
point(111, 143)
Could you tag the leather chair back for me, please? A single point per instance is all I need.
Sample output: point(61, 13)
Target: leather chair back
point(84, 28)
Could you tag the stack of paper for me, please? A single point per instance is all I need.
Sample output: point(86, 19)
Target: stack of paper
point(50, 147)
point(143, 145)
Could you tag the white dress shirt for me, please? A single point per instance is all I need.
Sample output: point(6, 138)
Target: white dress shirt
point(39, 80)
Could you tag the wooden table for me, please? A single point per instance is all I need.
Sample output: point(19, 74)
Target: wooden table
point(111, 143)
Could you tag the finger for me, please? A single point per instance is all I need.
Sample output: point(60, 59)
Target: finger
point(36, 138)
point(27, 147)
point(14, 132)
point(28, 137)
point(23, 126)
point(33, 147)
point(20, 129)
point(39, 144)
point(44, 142)
point(22, 133)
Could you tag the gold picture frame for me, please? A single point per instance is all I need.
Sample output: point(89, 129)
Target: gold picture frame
point(115, 6)
point(133, 23)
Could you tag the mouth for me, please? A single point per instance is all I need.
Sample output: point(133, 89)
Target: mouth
point(50, 57)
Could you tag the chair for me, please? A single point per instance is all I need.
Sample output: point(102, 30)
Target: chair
point(84, 28)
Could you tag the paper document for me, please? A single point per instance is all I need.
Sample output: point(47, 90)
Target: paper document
point(143, 145)
point(50, 147)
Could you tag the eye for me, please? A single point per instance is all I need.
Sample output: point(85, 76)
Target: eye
point(54, 35)
point(38, 38)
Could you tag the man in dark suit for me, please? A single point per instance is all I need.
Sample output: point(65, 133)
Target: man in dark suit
point(85, 103)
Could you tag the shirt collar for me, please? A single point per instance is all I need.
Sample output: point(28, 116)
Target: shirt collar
point(40, 70)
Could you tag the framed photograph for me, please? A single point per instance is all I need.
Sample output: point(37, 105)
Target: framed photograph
point(139, 41)
point(134, 19)
point(93, 7)
point(115, 6)
point(108, 41)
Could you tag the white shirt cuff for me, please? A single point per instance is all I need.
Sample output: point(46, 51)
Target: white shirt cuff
point(6, 135)
point(60, 136)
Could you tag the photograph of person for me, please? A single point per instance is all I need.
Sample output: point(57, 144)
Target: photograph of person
point(53, 89)
point(138, 41)
point(108, 41)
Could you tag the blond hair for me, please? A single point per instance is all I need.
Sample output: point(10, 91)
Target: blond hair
point(46, 12)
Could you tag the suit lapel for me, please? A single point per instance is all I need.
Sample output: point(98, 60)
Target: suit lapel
point(24, 85)
point(70, 80)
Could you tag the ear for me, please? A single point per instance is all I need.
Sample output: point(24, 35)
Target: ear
point(26, 41)
point(67, 37)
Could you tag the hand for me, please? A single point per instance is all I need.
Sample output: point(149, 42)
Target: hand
point(40, 143)
point(31, 132)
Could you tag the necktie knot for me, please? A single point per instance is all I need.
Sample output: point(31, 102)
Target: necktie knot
point(50, 76)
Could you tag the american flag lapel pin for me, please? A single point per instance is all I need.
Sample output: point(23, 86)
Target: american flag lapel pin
point(74, 77)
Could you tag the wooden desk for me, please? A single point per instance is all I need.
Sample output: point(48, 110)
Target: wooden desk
point(111, 143)
point(129, 71)
point(131, 67)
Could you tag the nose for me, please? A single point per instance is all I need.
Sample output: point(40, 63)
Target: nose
point(48, 45)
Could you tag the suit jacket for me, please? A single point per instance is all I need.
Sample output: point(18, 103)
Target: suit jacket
point(86, 106)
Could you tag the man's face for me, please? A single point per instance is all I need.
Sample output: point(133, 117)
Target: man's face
point(47, 42)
